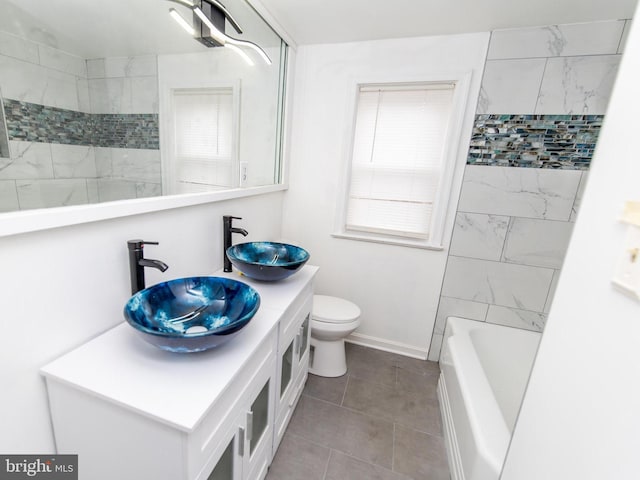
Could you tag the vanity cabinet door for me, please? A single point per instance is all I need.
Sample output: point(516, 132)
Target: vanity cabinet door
point(293, 365)
point(226, 461)
point(258, 426)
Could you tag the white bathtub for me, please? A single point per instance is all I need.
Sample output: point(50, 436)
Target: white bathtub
point(484, 372)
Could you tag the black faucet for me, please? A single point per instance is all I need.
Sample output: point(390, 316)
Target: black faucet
point(228, 229)
point(137, 262)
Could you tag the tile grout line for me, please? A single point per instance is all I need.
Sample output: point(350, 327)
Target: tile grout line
point(344, 394)
point(393, 448)
point(326, 467)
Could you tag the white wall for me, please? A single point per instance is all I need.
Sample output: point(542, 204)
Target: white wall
point(397, 288)
point(63, 286)
point(580, 418)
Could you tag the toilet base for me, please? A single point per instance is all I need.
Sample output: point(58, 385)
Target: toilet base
point(329, 359)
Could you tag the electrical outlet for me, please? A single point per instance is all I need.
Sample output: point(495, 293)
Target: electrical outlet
point(244, 173)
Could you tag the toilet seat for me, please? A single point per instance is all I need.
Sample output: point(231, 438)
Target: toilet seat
point(334, 310)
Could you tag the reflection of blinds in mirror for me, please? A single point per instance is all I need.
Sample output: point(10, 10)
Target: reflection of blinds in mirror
point(204, 137)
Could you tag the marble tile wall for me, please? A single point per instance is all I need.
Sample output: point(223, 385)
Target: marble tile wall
point(80, 131)
point(514, 218)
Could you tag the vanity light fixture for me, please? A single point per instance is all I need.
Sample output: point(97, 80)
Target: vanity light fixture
point(209, 17)
point(182, 21)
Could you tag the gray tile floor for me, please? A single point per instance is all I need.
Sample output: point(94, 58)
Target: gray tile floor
point(380, 421)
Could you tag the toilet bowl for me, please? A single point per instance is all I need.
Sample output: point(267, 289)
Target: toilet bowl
point(332, 319)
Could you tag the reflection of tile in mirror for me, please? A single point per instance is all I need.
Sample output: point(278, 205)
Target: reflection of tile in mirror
point(4, 141)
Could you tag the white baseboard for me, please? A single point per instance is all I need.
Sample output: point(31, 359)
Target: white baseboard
point(387, 345)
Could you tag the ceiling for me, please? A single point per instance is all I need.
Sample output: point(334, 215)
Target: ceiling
point(335, 21)
point(92, 29)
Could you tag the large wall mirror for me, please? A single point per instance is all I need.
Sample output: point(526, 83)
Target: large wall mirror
point(115, 100)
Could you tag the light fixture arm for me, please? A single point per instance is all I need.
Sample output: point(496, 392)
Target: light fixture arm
point(219, 6)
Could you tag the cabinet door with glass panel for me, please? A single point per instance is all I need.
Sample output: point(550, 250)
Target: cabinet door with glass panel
point(245, 448)
point(293, 363)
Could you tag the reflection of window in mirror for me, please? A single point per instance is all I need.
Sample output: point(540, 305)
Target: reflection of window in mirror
point(205, 141)
point(4, 139)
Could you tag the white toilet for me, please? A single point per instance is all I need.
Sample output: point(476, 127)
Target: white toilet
point(332, 319)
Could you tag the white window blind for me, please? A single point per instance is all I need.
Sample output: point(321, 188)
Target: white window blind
point(397, 159)
point(204, 137)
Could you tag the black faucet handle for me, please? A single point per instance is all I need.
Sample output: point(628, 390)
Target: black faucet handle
point(137, 244)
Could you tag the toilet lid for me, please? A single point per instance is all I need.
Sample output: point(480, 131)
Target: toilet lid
point(334, 310)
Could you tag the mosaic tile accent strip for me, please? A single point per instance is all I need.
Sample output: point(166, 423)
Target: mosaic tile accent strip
point(39, 123)
point(565, 142)
point(4, 141)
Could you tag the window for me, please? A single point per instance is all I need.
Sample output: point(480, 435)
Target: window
point(204, 139)
point(399, 160)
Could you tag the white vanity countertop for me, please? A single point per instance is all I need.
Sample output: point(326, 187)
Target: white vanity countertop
point(174, 388)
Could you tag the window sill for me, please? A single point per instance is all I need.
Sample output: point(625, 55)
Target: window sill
point(389, 241)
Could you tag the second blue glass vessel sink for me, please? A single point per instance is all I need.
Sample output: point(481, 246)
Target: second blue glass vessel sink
point(192, 314)
point(267, 261)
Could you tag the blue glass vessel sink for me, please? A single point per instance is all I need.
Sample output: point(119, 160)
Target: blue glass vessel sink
point(192, 314)
point(267, 261)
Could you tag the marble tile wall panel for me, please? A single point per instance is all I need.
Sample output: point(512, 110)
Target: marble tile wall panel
point(104, 166)
point(145, 190)
point(84, 101)
point(552, 291)
point(576, 204)
point(537, 242)
point(577, 85)
point(51, 193)
point(62, 61)
point(8, 196)
point(27, 161)
point(497, 283)
point(135, 164)
point(95, 68)
point(595, 38)
point(625, 34)
point(124, 95)
point(36, 84)
point(93, 194)
point(511, 85)
point(113, 67)
point(140, 66)
point(456, 307)
point(478, 235)
point(514, 317)
point(521, 192)
point(73, 161)
point(110, 189)
point(16, 47)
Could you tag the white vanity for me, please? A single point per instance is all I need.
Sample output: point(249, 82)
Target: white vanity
point(132, 411)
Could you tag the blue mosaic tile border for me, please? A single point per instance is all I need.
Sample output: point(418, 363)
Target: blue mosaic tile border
point(32, 122)
point(565, 142)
